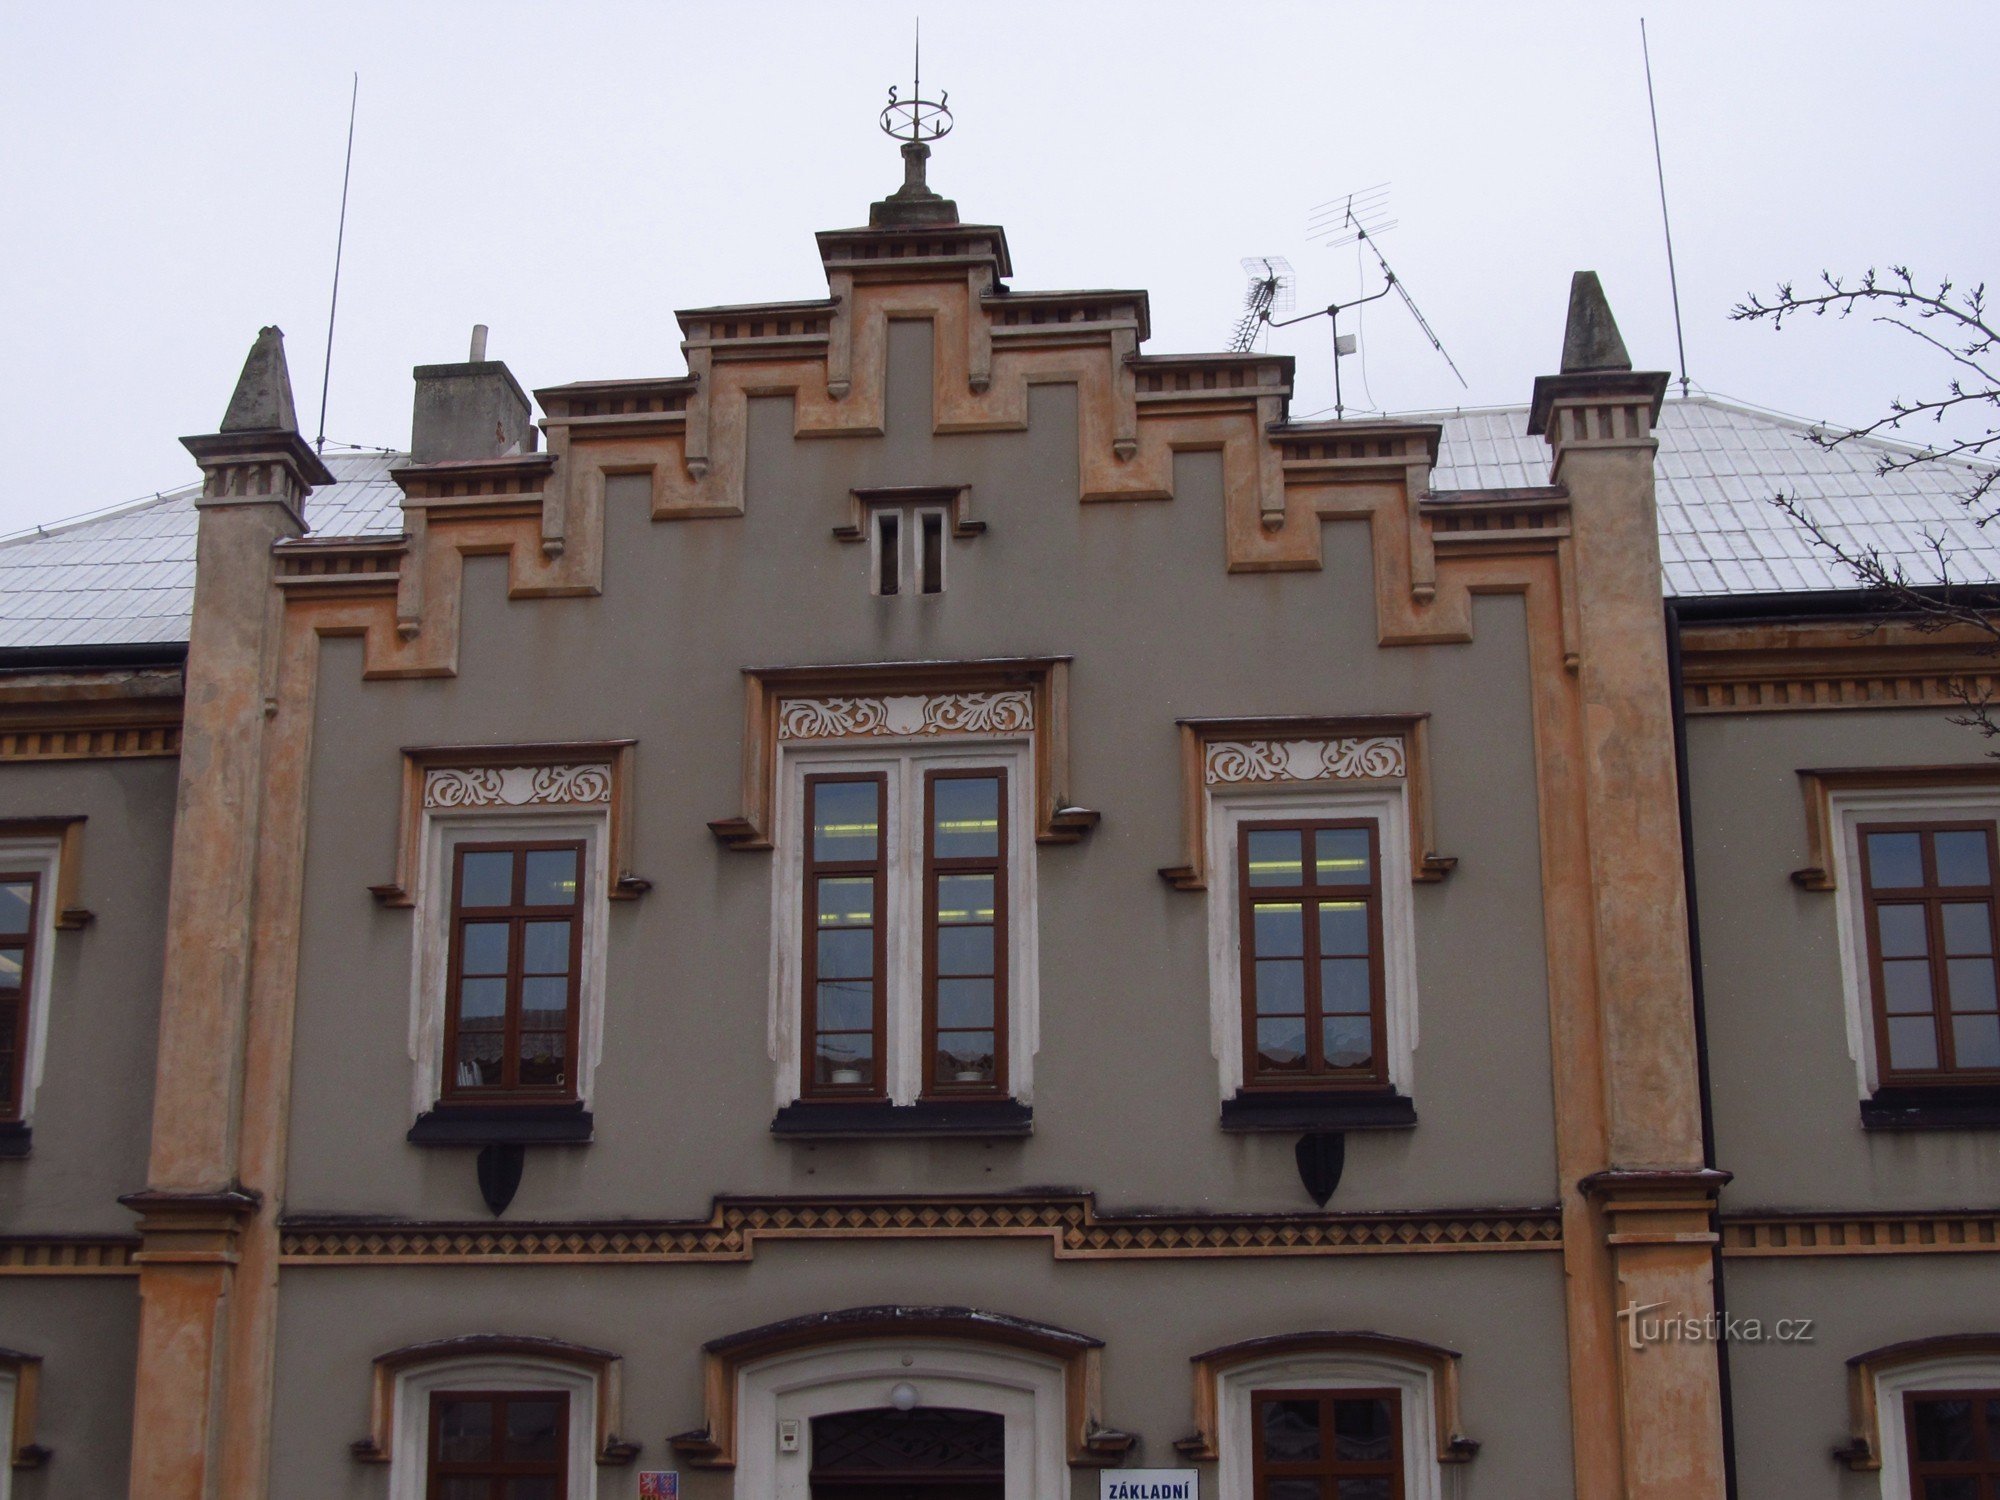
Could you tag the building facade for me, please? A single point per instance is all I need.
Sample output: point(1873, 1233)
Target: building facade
point(942, 907)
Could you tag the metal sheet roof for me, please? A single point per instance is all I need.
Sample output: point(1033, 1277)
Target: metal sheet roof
point(126, 576)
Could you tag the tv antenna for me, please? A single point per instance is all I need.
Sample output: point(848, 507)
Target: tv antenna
point(1354, 218)
point(1270, 291)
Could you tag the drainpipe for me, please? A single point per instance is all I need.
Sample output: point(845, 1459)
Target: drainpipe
point(1674, 686)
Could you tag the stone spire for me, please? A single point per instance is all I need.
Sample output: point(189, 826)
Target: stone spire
point(263, 398)
point(258, 455)
point(1590, 339)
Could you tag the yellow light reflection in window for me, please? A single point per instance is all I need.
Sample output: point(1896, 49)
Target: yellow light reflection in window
point(967, 913)
point(968, 825)
point(846, 828)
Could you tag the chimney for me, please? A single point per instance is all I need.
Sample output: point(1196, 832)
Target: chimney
point(470, 411)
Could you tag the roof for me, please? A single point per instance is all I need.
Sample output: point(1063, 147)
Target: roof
point(126, 576)
point(1719, 464)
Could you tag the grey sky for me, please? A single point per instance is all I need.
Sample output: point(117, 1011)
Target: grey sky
point(571, 174)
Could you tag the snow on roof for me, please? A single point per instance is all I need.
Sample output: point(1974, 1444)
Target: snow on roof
point(126, 577)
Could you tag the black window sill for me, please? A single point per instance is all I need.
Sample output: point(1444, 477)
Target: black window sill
point(812, 1119)
point(1288, 1111)
point(502, 1125)
point(1961, 1107)
point(15, 1137)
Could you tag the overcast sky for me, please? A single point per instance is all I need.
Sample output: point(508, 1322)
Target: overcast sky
point(570, 174)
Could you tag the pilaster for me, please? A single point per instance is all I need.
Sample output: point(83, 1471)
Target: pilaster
point(1639, 1214)
point(195, 1212)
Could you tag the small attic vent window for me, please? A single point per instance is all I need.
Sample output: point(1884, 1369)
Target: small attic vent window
point(906, 550)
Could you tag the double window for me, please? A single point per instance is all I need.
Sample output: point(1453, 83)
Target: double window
point(1928, 893)
point(516, 956)
point(498, 1445)
point(1311, 921)
point(858, 863)
point(20, 925)
point(1327, 1445)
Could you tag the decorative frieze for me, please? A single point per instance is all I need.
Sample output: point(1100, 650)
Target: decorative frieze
point(1955, 1232)
point(451, 787)
point(906, 715)
point(1349, 758)
point(1072, 1225)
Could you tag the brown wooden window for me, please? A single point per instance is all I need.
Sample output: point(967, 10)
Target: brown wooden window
point(1327, 1445)
point(20, 909)
point(1954, 1444)
point(1928, 890)
point(499, 1445)
point(965, 932)
point(846, 889)
point(1311, 917)
point(516, 956)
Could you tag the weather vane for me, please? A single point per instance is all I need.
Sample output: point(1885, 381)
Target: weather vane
point(916, 122)
point(917, 118)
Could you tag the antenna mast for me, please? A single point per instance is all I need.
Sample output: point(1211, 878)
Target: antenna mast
point(339, 244)
point(1660, 171)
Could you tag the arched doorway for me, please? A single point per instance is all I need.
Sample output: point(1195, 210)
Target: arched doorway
point(928, 1453)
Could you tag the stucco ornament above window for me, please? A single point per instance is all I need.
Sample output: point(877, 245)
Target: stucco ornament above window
point(906, 716)
point(517, 786)
point(1346, 758)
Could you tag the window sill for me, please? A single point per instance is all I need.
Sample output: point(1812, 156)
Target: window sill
point(814, 1119)
point(502, 1125)
point(15, 1138)
point(1289, 1111)
point(1947, 1107)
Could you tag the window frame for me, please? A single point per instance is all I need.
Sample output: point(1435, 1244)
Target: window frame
point(403, 1410)
point(437, 1469)
point(1325, 1471)
point(13, 1105)
point(935, 1087)
point(443, 831)
point(1316, 1075)
point(1988, 1469)
point(1386, 804)
point(903, 761)
point(41, 859)
point(1847, 809)
point(516, 914)
point(815, 869)
point(1423, 1376)
point(1933, 897)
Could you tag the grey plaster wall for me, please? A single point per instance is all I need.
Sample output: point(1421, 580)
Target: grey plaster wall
point(1786, 1094)
point(1126, 1097)
point(93, 1111)
point(1503, 1312)
point(86, 1330)
point(1791, 1398)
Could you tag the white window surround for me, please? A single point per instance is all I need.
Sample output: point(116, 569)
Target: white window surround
point(41, 857)
point(904, 763)
point(1024, 1388)
point(1228, 811)
point(1849, 810)
point(1423, 1475)
point(1951, 1372)
point(409, 1454)
point(443, 831)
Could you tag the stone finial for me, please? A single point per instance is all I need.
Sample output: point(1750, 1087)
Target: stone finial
point(1590, 339)
point(914, 203)
point(263, 399)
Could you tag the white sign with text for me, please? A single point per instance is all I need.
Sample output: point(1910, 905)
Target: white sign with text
point(1149, 1484)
